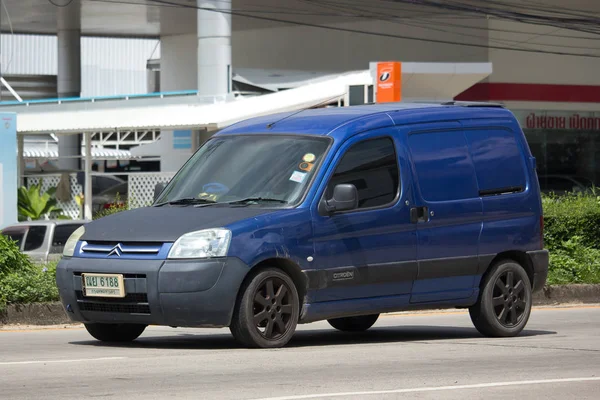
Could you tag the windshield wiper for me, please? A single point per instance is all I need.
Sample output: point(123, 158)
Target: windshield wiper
point(187, 200)
point(258, 200)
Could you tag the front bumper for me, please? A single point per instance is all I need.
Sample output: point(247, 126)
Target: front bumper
point(189, 293)
point(540, 260)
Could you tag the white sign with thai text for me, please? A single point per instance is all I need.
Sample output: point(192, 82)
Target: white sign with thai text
point(553, 120)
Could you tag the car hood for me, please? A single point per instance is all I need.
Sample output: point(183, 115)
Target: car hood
point(166, 223)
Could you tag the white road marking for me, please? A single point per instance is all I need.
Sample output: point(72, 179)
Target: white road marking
point(61, 361)
point(434, 389)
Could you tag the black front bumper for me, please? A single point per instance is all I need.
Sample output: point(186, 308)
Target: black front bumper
point(189, 293)
point(540, 260)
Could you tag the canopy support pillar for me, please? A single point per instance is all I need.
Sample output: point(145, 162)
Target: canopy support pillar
point(87, 191)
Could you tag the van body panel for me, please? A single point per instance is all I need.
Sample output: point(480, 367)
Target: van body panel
point(448, 237)
point(286, 234)
point(366, 252)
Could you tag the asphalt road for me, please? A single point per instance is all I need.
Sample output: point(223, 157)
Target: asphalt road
point(424, 356)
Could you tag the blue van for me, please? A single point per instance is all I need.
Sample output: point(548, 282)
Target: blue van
point(336, 214)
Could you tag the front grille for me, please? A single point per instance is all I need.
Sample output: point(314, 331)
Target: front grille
point(98, 249)
point(115, 308)
point(132, 303)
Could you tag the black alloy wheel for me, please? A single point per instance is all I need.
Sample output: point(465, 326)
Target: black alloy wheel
point(505, 300)
point(267, 312)
point(508, 299)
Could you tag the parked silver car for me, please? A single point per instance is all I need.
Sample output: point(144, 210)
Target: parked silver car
point(42, 241)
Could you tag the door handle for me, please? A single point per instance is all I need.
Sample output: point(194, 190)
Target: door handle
point(418, 214)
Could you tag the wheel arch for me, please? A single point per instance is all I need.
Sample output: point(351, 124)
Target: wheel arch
point(520, 257)
point(286, 265)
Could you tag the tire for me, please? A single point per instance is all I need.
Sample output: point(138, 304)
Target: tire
point(115, 332)
point(504, 303)
point(354, 324)
point(267, 310)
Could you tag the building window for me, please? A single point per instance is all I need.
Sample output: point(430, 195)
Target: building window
point(566, 146)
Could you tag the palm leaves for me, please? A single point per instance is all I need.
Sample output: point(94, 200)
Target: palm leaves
point(35, 205)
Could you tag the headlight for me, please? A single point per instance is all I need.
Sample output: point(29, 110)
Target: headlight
point(69, 248)
point(202, 244)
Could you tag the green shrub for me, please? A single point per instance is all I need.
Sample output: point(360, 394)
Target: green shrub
point(33, 285)
point(572, 235)
point(11, 259)
point(573, 262)
point(569, 216)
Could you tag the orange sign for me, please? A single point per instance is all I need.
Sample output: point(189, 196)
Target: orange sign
point(389, 82)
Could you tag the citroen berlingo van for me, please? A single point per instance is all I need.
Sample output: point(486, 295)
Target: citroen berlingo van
point(336, 214)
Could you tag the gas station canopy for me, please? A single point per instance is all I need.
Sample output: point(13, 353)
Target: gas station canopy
point(420, 82)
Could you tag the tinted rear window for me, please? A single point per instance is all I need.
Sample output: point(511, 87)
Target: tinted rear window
point(443, 165)
point(35, 238)
point(497, 158)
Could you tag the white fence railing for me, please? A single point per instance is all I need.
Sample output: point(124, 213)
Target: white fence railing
point(70, 208)
point(140, 189)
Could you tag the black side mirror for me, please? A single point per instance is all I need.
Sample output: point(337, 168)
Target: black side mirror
point(158, 190)
point(345, 198)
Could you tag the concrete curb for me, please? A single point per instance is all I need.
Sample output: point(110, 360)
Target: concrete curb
point(54, 313)
point(35, 314)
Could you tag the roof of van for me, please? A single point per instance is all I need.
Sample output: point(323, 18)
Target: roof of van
point(341, 122)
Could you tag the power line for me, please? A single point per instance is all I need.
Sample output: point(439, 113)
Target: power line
point(576, 24)
point(428, 26)
point(378, 34)
point(368, 33)
point(372, 6)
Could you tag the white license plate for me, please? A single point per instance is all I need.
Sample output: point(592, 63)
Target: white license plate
point(103, 285)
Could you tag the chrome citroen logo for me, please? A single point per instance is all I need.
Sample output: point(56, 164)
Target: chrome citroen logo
point(116, 251)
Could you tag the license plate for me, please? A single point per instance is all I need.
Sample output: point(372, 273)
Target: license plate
point(103, 285)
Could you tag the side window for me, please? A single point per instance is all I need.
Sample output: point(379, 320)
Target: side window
point(497, 159)
point(61, 235)
point(371, 166)
point(443, 165)
point(35, 238)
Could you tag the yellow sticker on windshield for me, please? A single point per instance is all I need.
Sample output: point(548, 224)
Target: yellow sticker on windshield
point(208, 196)
point(309, 157)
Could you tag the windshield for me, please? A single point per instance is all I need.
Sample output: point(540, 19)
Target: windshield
point(269, 169)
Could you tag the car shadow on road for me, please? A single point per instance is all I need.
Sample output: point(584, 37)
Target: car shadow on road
point(308, 338)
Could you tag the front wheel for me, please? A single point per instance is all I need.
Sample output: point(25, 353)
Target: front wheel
point(504, 304)
point(267, 310)
point(115, 332)
point(354, 324)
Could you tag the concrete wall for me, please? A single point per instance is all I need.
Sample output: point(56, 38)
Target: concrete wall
point(523, 67)
point(178, 62)
point(299, 47)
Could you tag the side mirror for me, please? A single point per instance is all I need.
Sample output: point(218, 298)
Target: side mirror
point(158, 190)
point(345, 198)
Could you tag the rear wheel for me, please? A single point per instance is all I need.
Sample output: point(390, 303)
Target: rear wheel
point(267, 310)
point(504, 305)
point(354, 324)
point(115, 332)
